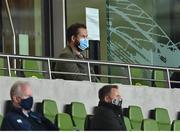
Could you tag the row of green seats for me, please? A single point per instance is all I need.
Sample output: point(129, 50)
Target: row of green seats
point(135, 121)
point(27, 65)
point(161, 122)
point(146, 125)
point(151, 125)
point(64, 120)
point(158, 75)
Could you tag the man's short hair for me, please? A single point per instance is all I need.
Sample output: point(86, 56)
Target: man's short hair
point(74, 30)
point(16, 88)
point(105, 90)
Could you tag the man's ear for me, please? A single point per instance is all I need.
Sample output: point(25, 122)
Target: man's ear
point(106, 99)
point(73, 39)
point(16, 99)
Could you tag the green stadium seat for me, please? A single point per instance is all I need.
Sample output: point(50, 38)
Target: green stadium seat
point(162, 118)
point(176, 125)
point(50, 109)
point(13, 74)
point(1, 119)
point(136, 117)
point(5, 71)
point(149, 125)
point(64, 122)
point(78, 115)
point(138, 73)
point(159, 75)
point(127, 123)
point(1, 66)
point(32, 65)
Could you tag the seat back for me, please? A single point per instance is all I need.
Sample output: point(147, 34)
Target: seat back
point(1, 67)
point(162, 118)
point(78, 114)
point(136, 117)
point(176, 125)
point(64, 122)
point(4, 69)
point(149, 125)
point(32, 68)
point(50, 109)
point(127, 123)
point(159, 79)
point(137, 74)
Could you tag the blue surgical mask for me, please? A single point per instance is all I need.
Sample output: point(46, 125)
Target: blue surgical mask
point(83, 44)
point(27, 103)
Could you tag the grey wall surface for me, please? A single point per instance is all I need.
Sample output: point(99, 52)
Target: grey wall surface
point(64, 92)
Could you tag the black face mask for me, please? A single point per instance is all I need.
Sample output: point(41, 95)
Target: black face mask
point(27, 103)
point(117, 102)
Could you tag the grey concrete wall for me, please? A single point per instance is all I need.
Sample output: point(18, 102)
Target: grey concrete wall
point(64, 92)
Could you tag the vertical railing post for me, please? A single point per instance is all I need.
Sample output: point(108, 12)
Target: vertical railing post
point(13, 31)
point(129, 73)
point(9, 67)
point(49, 69)
point(89, 71)
point(168, 78)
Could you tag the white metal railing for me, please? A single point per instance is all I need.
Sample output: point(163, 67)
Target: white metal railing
point(9, 67)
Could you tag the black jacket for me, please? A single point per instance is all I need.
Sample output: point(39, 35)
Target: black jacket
point(16, 120)
point(108, 117)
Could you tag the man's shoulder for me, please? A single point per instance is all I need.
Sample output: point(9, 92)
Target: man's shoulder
point(15, 119)
point(66, 53)
point(102, 110)
point(13, 115)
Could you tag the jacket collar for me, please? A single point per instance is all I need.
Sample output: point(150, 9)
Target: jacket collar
point(116, 109)
point(19, 111)
point(76, 52)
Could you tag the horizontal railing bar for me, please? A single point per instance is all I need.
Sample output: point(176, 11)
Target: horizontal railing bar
point(160, 80)
point(166, 70)
point(3, 68)
point(69, 73)
point(91, 62)
point(109, 76)
point(27, 70)
point(147, 79)
point(175, 81)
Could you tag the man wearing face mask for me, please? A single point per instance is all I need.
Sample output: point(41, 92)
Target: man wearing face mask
point(21, 117)
point(77, 44)
point(108, 115)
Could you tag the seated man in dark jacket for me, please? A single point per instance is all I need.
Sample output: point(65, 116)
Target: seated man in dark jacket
point(21, 117)
point(108, 115)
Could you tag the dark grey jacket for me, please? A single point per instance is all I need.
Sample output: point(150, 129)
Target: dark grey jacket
point(67, 53)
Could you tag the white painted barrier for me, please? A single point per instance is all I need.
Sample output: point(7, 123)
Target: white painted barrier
point(64, 92)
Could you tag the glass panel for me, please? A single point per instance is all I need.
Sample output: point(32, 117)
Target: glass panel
point(144, 32)
point(76, 13)
point(27, 16)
